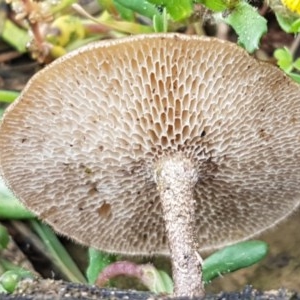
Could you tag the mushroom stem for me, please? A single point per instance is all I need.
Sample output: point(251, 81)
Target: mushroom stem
point(176, 178)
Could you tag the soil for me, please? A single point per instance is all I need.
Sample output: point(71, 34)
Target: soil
point(59, 290)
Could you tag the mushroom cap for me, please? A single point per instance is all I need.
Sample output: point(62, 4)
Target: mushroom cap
point(80, 145)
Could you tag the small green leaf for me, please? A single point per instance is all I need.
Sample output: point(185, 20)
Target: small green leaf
point(166, 281)
point(10, 207)
point(296, 64)
point(233, 258)
point(15, 36)
point(142, 7)
point(4, 237)
point(2, 290)
point(285, 62)
point(249, 25)
point(157, 281)
point(125, 13)
point(214, 5)
point(8, 96)
point(295, 28)
point(177, 9)
point(6, 265)
point(284, 59)
point(294, 76)
point(98, 260)
point(284, 22)
point(59, 255)
point(9, 280)
point(160, 22)
point(290, 24)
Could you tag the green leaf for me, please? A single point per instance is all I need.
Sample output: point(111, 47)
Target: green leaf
point(214, 5)
point(4, 237)
point(284, 59)
point(167, 282)
point(296, 64)
point(10, 279)
point(125, 13)
point(6, 265)
point(8, 96)
point(142, 7)
point(248, 24)
point(15, 36)
point(98, 260)
point(2, 290)
point(290, 24)
point(10, 207)
point(233, 258)
point(294, 76)
point(285, 22)
point(157, 281)
point(160, 22)
point(295, 28)
point(59, 254)
point(177, 9)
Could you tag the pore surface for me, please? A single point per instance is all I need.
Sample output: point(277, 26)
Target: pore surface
point(79, 146)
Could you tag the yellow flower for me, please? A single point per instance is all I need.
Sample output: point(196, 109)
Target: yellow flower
point(293, 5)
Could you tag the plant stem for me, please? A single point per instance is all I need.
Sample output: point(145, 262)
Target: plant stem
point(295, 45)
point(176, 177)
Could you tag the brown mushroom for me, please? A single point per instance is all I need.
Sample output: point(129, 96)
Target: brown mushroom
point(156, 142)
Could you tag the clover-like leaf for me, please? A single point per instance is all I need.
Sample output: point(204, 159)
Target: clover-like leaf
point(284, 59)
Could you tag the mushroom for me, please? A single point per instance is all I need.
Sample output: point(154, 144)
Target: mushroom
point(156, 144)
